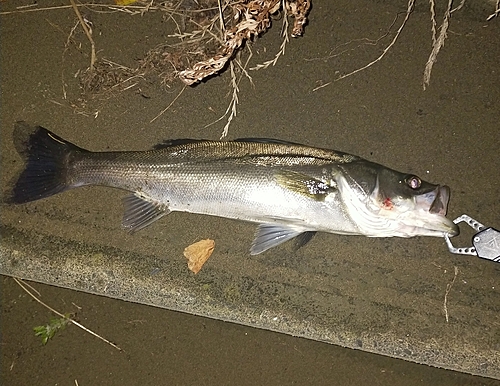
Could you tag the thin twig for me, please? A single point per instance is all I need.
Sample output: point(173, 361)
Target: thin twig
point(87, 32)
point(433, 20)
point(243, 67)
point(286, 39)
point(409, 10)
point(234, 101)
point(24, 287)
point(437, 44)
point(496, 13)
point(458, 7)
point(130, 9)
point(170, 104)
point(32, 288)
point(448, 289)
point(232, 108)
point(221, 18)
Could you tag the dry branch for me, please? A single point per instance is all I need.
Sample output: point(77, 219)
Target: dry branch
point(249, 19)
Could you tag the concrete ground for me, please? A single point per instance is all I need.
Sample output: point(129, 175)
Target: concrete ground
point(383, 296)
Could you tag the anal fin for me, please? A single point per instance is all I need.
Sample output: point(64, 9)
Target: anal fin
point(141, 211)
point(271, 235)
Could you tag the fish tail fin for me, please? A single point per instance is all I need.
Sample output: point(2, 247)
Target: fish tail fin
point(46, 156)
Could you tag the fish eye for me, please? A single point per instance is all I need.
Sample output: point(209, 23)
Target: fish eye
point(413, 182)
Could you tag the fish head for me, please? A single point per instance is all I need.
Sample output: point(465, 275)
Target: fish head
point(384, 202)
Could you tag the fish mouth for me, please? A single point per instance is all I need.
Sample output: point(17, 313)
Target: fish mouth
point(440, 203)
point(437, 203)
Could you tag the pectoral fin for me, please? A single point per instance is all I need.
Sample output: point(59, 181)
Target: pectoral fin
point(141, 211)
point(271, 235)
point(305, 185)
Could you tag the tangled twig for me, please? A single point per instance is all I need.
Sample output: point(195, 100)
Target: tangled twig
point(250, 19)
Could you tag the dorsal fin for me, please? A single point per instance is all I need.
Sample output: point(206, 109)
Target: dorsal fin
point(184, 141)
point(176, 142)
point(268, 140)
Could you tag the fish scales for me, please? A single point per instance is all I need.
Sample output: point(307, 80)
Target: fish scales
point(287, 188)
point(247, 189)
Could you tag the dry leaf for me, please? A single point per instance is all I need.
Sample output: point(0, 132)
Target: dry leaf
point(198, 253)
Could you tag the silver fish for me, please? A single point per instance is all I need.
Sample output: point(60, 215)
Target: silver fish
point(287, 188)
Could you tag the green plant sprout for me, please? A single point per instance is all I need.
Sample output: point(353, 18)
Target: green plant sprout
point(48, 331)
